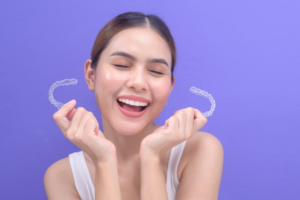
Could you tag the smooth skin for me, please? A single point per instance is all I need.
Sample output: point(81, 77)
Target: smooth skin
point(201, 165)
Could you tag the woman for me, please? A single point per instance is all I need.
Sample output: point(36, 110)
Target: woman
point(131, 73)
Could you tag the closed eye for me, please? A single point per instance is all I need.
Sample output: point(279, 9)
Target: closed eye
point(122, 66)
point(156, 72)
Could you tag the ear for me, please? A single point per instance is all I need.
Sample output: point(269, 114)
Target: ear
point(90, 75)
point(173, 82)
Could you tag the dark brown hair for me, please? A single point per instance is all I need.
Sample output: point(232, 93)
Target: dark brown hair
point(131, 20)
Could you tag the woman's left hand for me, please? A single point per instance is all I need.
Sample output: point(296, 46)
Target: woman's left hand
point(178, 128)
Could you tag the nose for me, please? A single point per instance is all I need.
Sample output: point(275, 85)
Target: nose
point(137, 79)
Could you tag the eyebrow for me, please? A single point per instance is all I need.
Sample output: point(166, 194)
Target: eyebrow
point(131, 57)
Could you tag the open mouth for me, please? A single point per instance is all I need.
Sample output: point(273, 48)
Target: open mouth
point(132, 108)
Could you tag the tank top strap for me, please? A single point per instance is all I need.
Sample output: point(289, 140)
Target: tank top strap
point(172, 179)
point(81, 174)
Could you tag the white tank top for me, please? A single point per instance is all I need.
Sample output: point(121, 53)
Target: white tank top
point(85, 186)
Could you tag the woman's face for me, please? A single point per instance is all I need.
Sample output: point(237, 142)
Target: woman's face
point(147, 74)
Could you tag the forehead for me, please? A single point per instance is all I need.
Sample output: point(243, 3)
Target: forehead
point(140, 42)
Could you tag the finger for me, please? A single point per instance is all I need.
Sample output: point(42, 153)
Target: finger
point(71, 114)
point(172, 124)
point(83, 123)
point(189, 122)
point(60, 116)
point(90, 129)
point(181, 123)
point(74, 124)
point(199, 120)
point(177, 111)
point(100, 133)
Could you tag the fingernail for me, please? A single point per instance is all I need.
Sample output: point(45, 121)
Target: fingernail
point(72, 101)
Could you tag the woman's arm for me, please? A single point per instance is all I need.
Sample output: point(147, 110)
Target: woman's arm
point(83, 131)
point(153, 185)
point(107, 185)
point(59, 182)
point(201, 178)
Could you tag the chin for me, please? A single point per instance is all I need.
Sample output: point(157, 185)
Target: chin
point(129, 128)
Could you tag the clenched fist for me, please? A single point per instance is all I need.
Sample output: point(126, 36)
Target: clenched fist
point(83, 131)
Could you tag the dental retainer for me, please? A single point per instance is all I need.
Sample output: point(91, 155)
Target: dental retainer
point(74, 81)
point(65, 82)
point(203, 93)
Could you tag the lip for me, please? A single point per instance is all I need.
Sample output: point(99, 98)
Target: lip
point(132, 114)
point(134, 98)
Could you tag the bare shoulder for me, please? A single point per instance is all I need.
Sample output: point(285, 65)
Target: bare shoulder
point(203, 141)
point(204, 147)
point(200, 143)
point(201, 176)
point(59, 182)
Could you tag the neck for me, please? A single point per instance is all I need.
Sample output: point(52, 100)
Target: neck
point(127, 146)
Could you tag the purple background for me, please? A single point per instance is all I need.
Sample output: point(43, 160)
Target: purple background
point(245, 53)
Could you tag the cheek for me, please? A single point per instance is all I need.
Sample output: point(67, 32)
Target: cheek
point(106, 86)
point(108, 78)
point(161, 90)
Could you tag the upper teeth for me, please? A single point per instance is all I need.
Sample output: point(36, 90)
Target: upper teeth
point(133, 103)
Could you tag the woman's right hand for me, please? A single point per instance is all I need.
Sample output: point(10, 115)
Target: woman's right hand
point(83, 131)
